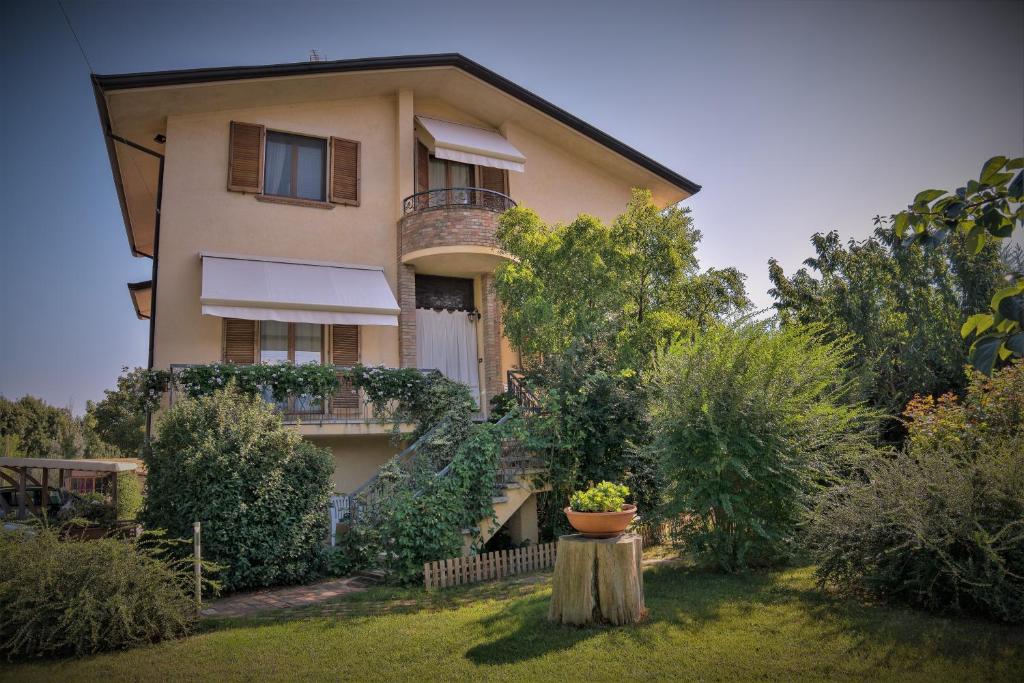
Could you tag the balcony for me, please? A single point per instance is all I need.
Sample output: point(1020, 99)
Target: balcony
point(347, 412)
point(451, 231)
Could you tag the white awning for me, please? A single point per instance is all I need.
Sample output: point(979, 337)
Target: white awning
point(255, 288)
point(469, 145)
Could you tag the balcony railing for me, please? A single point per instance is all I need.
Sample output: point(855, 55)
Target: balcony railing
point(457, 197)
point(346, 405)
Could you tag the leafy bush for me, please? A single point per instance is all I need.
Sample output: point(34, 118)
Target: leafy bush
point(91, 508)
point(941, 523)
point(748, 420)
point(605, 497)
point(129, 496)
point(74, 598)
point(258, 488)
point(280, 380)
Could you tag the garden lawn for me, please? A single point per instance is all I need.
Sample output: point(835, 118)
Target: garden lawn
point(702, 626)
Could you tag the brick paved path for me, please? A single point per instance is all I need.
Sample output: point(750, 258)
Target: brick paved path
point(244, 604)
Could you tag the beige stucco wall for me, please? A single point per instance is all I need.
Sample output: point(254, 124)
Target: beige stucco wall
point(357, 458)
point(558, 186)
point(199, 214)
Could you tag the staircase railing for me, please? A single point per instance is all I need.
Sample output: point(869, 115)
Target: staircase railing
point(527, 401)
point(515, 461)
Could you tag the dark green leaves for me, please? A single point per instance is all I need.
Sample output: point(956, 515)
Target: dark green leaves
point(984, 352)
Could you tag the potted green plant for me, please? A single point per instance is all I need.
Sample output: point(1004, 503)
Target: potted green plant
point(601, 511)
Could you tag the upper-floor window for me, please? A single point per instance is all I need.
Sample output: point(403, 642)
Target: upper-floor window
point(296, 166)
point(293, 169)
point(444, 173)
point(297, 343)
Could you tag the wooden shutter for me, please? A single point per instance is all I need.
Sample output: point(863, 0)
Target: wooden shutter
point(245, 157)
point(344, 353)
point(422, 167)
point(239, 341)
point(492, 179)
point(344, 185)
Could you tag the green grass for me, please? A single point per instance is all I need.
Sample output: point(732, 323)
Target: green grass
point(703, 626)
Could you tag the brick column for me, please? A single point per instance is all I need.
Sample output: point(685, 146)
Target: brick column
point(407, 318)
point(491, 320)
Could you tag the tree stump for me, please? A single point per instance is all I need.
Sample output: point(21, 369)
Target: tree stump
point(598, 581)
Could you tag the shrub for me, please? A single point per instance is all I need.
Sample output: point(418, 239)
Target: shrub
point(74, 598)
point(605, 497)
point(258, 488)
point(939, 524)
point(748, 420)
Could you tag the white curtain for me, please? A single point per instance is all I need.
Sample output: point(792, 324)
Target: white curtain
point(446, 341)
point(275, 180)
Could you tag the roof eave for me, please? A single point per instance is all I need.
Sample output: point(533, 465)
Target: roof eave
point(111, 82)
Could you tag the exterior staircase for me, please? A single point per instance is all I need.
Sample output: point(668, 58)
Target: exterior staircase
point(515, 486)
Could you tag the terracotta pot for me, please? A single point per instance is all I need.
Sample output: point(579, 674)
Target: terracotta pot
point(601, 524)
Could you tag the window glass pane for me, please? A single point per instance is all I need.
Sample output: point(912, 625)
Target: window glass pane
point(295, 166)
point(277, 173)
point(307, 343)
point(273, 341)
point(310, 183)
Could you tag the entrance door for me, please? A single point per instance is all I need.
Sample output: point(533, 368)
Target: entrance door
point(446, 329)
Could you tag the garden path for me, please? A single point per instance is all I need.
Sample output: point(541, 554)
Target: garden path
point(245, 604)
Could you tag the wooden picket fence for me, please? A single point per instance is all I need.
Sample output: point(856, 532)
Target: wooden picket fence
point(457, 571)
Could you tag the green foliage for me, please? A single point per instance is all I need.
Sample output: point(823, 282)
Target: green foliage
point(592, 426)
point(42, 430)
point(120, 418)
point(87, 509)
point(636, 279)
point(604, 497)
point(258, 488)
point(984, 211)
point(74, 598)
point(749, 421)
point(129, 496)
point(279, 380)
point(900, 309)
point(412, 396)
point(939, 524)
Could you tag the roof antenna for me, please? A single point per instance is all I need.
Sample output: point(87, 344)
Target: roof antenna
point(315, 56)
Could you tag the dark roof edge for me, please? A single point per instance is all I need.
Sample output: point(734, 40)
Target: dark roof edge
point(450, 59)
point(115, 166)
point(135, 287)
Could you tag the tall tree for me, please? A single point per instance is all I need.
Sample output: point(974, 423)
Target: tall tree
point(637, 280)
point(900, 307)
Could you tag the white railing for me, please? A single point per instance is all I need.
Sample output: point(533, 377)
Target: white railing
point(337, 507)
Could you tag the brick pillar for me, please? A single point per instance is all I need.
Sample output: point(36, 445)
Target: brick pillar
point(407, 318)
point(491, 320)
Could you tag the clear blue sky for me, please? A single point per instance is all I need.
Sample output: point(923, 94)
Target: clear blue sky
point(795, 117)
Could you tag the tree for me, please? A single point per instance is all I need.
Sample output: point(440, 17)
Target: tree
point(36, 429)
point(986, 210)
point(589, 305)
point(636, 280)
point(900, 307)
point(120, 418)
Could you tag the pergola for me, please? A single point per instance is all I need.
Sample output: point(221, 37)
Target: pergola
point(16, 472)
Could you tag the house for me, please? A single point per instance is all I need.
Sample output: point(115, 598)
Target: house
point(342, 212)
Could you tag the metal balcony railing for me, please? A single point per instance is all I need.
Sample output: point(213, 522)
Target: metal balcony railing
point(346, 405)
point(457, 197)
